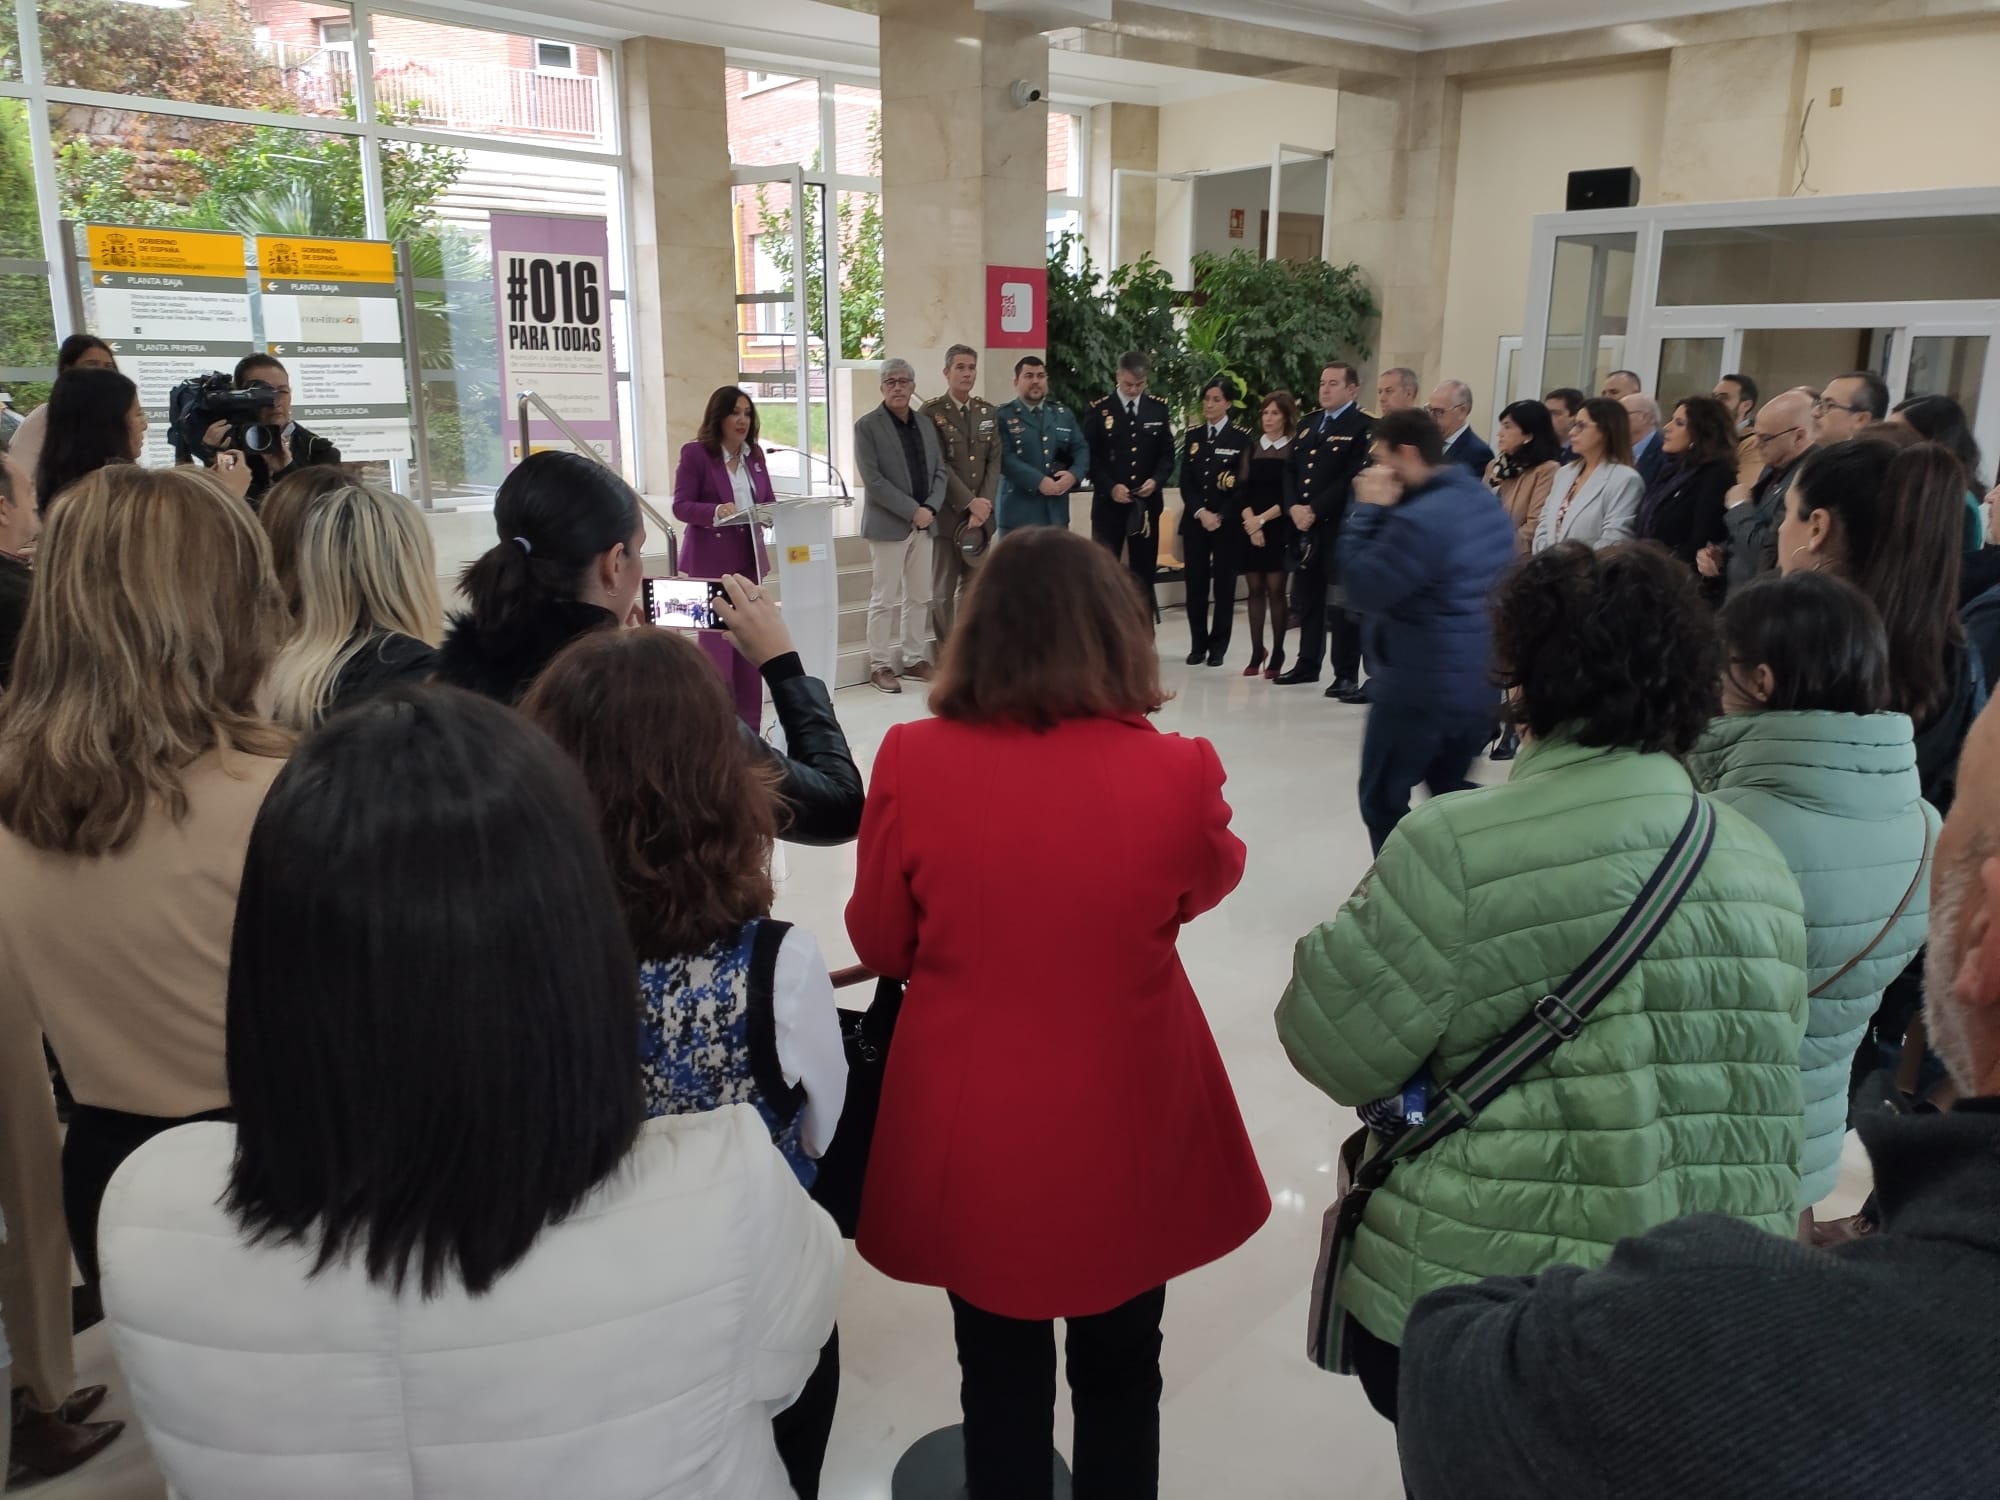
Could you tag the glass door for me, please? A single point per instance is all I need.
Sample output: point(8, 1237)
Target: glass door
point(779, 243)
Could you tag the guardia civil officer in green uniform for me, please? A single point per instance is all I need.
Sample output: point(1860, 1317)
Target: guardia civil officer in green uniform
point(1043, 453)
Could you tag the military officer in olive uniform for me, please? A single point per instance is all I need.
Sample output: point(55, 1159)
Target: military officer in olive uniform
point(1132, 456)
point(968, 431)
point(1043, 456)
point(1214, 459)
point(1331, 448)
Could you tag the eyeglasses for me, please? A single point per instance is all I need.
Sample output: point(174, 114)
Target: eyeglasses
point(1823, 406)
point(1765, 439)
point(897, 382)
point(1439, 413)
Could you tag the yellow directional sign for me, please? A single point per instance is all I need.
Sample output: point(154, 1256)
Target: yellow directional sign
point(185, 252)
point(325, 260)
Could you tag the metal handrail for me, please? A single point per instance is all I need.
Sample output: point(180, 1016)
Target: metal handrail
point(526, 399)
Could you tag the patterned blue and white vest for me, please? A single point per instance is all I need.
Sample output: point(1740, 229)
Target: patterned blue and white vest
point(707, 1038)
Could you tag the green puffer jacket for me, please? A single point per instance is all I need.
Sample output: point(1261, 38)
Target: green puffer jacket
point(1680, 1096)
point(1839, 796)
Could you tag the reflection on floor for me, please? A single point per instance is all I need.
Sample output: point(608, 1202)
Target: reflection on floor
point(1244, 1413)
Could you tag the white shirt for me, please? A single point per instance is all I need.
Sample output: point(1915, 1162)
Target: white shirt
point(1267, 442)
point(739, 480)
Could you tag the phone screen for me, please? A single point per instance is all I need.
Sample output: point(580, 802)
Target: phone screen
point(683, 603)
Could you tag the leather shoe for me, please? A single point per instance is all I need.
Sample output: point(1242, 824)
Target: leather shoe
point(1343, 685)
point(44, 1445)
point(1358, 695)
point(1215, 659)
point(82, 1403)
point(921, 671)
point(1196, 658)
point(1296, 676)
point(885, 680)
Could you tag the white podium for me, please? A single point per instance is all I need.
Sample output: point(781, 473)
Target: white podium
point(808, 576)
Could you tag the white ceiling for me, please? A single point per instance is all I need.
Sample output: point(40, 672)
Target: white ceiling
point(831, 35)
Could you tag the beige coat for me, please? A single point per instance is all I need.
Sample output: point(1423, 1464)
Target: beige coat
point(1524, 496)
point(123, 960)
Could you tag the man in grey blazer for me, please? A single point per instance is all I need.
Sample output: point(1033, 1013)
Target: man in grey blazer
point(903, 481)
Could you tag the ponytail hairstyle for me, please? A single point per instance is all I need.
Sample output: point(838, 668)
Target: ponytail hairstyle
point(556, 514)
point(1900, 518)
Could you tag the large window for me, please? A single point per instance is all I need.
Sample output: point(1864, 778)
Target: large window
point(826, 246)
point(1067, 148)
point(316, 119)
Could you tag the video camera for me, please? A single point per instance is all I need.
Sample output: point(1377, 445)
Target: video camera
point(200, 401)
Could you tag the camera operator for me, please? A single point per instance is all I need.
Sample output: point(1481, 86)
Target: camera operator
point(296, 447)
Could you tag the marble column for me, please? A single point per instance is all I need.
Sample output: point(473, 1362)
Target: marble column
point(1123, 136)
point(964, 177)
point(1732, 121)
point(684, 252)
point(1395, 171)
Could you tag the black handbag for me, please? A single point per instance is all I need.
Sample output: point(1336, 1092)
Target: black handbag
point(865, 1037)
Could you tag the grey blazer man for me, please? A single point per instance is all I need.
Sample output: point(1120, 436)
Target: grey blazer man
point(889, 506)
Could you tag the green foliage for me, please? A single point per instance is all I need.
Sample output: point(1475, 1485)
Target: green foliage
point(857, 231)
point(1094, 319)
point(1272, 324)
point(204, 53)
point(27, 336)
point(1266, 324)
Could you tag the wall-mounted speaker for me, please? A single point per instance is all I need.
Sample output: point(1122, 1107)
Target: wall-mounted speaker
point(1608, 187)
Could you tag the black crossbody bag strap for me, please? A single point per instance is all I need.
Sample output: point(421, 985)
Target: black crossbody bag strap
point(1552, 1020)
point(786, 1098)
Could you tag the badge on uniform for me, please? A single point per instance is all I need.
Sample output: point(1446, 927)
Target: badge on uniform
point(1226, 482)
point(1194, 447)
point(1109, 422)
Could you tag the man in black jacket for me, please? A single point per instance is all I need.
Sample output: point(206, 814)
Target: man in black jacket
point(1131, 464)
point(1331, 448)
point(1709, 1358)
point(297, 448)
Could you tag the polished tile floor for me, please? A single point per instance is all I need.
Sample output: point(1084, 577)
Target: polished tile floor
point(1243, 1414)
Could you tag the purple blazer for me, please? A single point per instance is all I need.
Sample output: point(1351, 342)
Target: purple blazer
point(701, 484)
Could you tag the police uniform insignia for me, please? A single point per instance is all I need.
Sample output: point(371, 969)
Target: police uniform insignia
point(1109, 422)
point(1227, 481)
point(1194, 447)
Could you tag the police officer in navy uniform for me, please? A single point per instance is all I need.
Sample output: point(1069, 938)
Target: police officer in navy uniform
point(1331, 448)
point(1131, 464)
point(1214, 459)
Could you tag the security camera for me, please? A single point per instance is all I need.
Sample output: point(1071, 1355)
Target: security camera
point(1025, 93)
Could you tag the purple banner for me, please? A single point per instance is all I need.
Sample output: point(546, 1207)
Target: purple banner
point(553, 295)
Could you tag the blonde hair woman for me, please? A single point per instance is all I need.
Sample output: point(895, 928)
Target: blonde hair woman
point(365, 599)
point(133, 760)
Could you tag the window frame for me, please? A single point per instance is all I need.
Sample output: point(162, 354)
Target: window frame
point(58, 250)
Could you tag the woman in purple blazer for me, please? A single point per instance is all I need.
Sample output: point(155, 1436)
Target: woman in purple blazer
point(722, 473)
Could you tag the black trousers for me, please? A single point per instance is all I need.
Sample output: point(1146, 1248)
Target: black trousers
point(1318, 621)
point(95, 1147)
point(1141, 553)
point(1211, 589)
point(1007, 1388)
point(1379, 1363)
point(802, 1429)
point(1403, 746)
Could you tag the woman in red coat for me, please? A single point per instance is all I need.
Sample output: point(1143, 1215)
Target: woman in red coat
point(1058, 1138)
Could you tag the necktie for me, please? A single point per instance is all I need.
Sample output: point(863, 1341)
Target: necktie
point(1132, 410)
